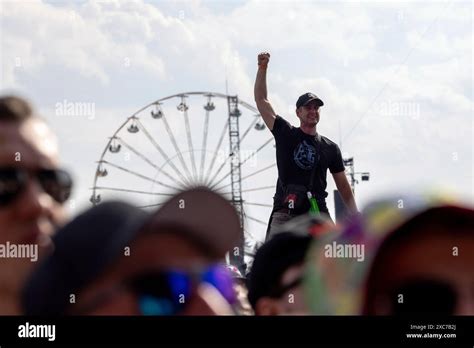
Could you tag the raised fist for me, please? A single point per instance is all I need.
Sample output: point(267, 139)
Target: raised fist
point(263, 59)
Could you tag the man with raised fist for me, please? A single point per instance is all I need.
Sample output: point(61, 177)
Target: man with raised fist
point(303, 157)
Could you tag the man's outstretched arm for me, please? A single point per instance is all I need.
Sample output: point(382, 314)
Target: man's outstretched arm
point(260, 91)
point(345, 190)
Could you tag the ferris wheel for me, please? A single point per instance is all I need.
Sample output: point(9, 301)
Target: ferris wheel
point(192, 139)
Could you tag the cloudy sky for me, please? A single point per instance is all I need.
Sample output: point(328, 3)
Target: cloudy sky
point(396, 78)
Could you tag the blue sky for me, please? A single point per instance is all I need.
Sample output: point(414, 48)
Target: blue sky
point(396, 78)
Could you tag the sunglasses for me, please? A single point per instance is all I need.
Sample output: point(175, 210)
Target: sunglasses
point(168, 292)
point(424, 296)
point(55, 182)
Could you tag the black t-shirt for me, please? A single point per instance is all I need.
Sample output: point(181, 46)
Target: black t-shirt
point(296, 154)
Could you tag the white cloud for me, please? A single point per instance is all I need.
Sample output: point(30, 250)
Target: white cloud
point(81, 40)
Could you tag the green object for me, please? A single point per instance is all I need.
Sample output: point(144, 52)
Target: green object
point(313, 209)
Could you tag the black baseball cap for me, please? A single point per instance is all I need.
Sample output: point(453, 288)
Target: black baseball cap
point(272, 259)
point(306, 98)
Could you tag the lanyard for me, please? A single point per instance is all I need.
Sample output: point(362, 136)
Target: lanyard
point(314, 208)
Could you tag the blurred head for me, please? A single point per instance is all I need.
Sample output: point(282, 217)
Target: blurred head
point(32, 187)
point(128, 263)
point(425, 266)
point(391, 260)
point(274, 282)
point(165, 274)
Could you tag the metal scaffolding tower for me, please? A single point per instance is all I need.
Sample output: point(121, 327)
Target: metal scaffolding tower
point(236, 255)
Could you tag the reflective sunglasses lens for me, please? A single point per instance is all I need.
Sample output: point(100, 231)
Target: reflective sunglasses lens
point(180, 285)
point(161, 293)
point(56, 183)
point(11, 183)
point(151, 305)
point(221, 279)
point(425, 297)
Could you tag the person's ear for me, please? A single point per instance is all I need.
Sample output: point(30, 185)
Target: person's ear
point(268, 306)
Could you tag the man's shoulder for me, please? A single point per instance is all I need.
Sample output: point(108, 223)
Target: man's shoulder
point(328, 142)
point(283, 120)
point(281, 123)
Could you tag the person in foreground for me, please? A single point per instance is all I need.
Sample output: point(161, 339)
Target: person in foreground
point(114, 259)
point(413, 261)
point(275, 280)
point(33, 192)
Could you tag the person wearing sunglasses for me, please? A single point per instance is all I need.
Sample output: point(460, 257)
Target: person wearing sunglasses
point(425, 266)
point(33, 189)
point(417, 260)
point(115, 259)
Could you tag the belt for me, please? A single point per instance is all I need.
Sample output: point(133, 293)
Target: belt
point(321, 204)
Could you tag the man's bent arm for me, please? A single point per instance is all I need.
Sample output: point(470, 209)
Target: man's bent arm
point(346, 191)
point(260, 91)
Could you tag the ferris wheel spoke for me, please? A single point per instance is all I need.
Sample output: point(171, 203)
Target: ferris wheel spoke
point(176, 147)
point(190, 143)
point(204, 145)
point(259, 204)
point(247, 190)
point(248, 233)
point(219, 169)
point(224, 131)
point(248, 129)
point(135, 151)
point(140, 175)
point(243, 162)
point(259, 188)
point(150, 205)
point(132, 191)
point(160, 150)
point(246, 177)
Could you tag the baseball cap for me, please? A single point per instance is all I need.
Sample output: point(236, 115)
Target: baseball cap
point(96, 238)
point(306, 98)
point(272, 259)
point(204, 216)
